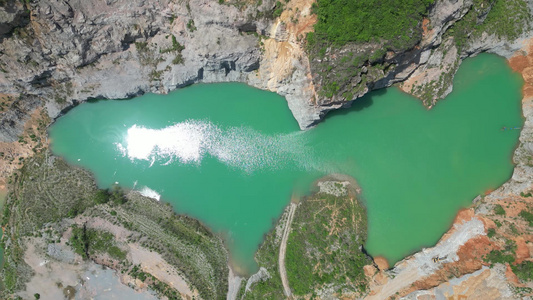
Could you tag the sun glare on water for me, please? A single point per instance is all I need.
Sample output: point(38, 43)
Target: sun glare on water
point(239, 147)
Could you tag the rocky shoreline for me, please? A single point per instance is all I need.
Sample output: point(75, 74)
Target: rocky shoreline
point(70, 52)
point(477, 231)
point(57, 54)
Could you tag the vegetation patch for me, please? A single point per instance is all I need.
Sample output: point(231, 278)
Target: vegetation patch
point(182, 241)
point(528, 216)
point(47, 189)
point(351, 39)
point(278, 9)
point(47, 192)
point(499, 210)
point(177, 47)
point(344, 21)
point(504, 256)
point(191, 26)
point(524, 271)
point(507, 19)
point(266, 257)
point(324, 248)
point(44, 190)
point(87, 242)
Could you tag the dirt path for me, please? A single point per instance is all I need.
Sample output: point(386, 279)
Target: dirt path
point(403, 280)
point(234, 284)
point(282, 249)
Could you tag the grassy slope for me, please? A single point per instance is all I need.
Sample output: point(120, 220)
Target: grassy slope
point(323, 250)
point(362, 21)
point(350, 35)
point(47, 190)
point(507, 19)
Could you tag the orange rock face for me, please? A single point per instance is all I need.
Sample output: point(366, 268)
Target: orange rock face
point(480, 282)
point(523, 63)
point(382, 263)
point(470, 255)
point(522, 250)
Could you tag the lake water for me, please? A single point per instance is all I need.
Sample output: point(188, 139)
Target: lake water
point(232, 156)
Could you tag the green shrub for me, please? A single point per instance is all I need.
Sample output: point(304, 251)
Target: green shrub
point(178, 59)
point(498, 209)
point(115, 252)
point(117, 195)
point(87, 242)
point(190, 25)
point(176, 46)
point(528, 216)
point(499, 256)
point(141, 46)
point(525, 195)
point(76, 209)
point(101, 197)
point(524, 271)
point(278, 9)
point(491, 232)
point(343, 21)
point(78, 241)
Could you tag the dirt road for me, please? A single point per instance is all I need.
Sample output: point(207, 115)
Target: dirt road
point(282, 249)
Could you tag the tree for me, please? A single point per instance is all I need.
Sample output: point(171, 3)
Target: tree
point(117, 195)
point(101, 197)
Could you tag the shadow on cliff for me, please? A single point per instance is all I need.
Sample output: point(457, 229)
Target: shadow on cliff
point(357, 104)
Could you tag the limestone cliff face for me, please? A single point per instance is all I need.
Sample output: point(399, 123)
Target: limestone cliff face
point(56, 53)
point(71, 51)
point(12, 14)
point(425, 70)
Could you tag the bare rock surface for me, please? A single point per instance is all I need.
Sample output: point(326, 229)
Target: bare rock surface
point(55, 54)
point(71, 51)
point(457, 265)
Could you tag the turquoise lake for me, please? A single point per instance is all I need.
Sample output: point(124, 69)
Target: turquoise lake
point(233, 156)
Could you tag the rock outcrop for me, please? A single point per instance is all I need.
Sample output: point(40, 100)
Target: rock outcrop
point(55, 54)
point(12, 15)
point(458, 266)
point(71, 51)
point(64, 52)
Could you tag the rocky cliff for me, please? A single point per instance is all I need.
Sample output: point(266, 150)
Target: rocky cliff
point(57, 53)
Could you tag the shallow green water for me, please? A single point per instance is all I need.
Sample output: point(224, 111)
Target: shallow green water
point(232, 155)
